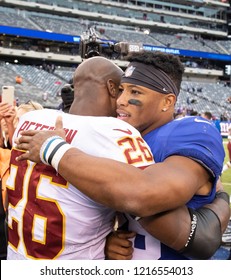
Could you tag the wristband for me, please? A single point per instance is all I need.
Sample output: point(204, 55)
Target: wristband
point(53, 150)
point(45, 146)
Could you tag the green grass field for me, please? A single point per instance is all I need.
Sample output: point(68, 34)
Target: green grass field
point(226, 176)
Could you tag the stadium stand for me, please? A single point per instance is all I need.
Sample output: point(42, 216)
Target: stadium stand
point(198, 27)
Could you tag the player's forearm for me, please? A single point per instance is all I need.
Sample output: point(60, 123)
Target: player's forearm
point(105, 181)
point(122, 186)
point(172, 227)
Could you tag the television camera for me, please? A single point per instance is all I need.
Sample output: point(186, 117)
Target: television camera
point(91, 45)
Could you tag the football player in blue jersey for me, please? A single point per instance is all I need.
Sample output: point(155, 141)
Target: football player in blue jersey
point(188, 152)
point(149, 91)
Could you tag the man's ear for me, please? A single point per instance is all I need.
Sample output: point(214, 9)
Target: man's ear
point(111, 88)
point(169, 100)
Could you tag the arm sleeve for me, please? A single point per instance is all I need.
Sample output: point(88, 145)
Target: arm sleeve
point(206, 229)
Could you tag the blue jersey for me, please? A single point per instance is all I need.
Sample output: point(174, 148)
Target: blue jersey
point(193, 137)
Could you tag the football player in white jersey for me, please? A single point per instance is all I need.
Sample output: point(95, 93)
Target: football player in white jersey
point(48, 217)
point(183, 224)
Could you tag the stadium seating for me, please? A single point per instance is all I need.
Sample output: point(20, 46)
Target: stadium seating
point(212, 98)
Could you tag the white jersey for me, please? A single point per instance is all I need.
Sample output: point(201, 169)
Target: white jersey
point(48, 217)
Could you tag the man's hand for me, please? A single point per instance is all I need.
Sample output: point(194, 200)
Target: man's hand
point(118, 246)
point(31, 141)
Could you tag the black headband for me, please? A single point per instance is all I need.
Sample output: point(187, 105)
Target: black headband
point(148, 76)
